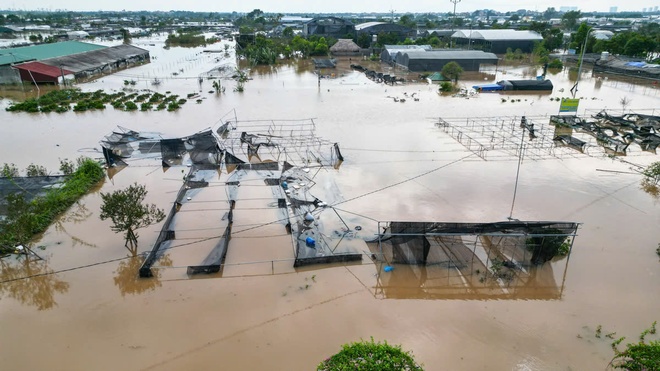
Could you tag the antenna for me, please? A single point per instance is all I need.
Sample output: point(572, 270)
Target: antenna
point(392, 11)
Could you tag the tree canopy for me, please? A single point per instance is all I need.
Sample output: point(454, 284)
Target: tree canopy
point(452, 70)
point(127, 211)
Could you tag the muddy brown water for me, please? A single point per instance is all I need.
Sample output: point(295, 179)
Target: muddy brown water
point(271, 316)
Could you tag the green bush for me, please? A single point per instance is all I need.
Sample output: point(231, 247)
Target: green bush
point(446, 87)
point(130, 106)
point(640, 356)
point(555, 63)
point(369, 355)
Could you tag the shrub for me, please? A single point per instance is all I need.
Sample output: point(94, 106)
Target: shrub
point(555, 63)
point(131, 106)
point(369, 355)
point(446, 87)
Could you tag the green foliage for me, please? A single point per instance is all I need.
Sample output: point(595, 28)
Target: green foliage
point(516, 55)
point(9, 171)
point(652, 173)
point(36, 170)
point(126, 210)
point(369, 355)
point(639, 356)
point(60, 101)
point(130, 106)
point(452, 70)
point(446, 87)
point(25, 218)
point(67, 167)
point(186, 39)
point(556, 64)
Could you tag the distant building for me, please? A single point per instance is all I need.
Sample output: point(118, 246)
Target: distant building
point(565, 9)
point(73, 35)
point(602, 34)
point(497, 41)
point(614, 9)
point(375, 28)
point(329, 26)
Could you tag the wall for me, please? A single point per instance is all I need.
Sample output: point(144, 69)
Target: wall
point(9, 75)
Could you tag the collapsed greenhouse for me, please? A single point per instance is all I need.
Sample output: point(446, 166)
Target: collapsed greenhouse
point(503, 260)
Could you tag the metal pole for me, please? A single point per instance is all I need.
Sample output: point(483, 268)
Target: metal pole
point(453, 21)
point(584, 48)
point(520, 157)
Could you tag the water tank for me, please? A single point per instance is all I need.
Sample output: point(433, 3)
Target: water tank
point(605, 55)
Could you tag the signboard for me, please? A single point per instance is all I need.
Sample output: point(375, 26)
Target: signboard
point(569, 105)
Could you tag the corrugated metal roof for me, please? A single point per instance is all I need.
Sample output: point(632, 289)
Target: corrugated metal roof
point(44, 69)
point(361, 26)
point(407, 47)
point(450, 54)
point(95, 58)
point(44, 51)
point(496, 35)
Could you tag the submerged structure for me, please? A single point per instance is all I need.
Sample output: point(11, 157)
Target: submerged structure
point(249, 180)
point(516, 85)
point(502, 260)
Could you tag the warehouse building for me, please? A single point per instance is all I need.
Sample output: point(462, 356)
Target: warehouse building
point(390, 51)
point(338, 28)
point(376, 28)
point(96, 63)
point(497, 41)
point(13, 56)
point(434, 60)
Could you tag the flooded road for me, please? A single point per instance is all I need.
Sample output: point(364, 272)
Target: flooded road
point(398, 166)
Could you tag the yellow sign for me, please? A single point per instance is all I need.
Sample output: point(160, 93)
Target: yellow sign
point(569, 105)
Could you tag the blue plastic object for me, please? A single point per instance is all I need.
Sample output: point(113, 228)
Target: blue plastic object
point(284, 185)
point(310, 242)
point(388, 268)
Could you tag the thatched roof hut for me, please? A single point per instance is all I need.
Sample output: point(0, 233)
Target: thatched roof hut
point(345, 47)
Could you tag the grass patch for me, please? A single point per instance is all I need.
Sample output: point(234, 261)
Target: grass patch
point(28, 218)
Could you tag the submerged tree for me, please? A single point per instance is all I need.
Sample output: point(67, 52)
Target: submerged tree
point(127, 211)
point(452, 70)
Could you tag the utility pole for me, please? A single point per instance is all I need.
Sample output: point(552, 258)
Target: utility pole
point(62, 72)
point(574, 89)
point(453, 21)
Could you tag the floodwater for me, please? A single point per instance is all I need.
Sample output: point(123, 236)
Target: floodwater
point(398, 166)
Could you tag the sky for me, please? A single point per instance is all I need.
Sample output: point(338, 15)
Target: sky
point(317, 6)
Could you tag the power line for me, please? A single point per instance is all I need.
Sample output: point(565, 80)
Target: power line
point(246, 229)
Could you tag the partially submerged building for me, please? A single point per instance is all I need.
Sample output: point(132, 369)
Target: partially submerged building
point(13, 56)
point(99, 62)
point(434, 60)
point(40, 73)
point(497, 41)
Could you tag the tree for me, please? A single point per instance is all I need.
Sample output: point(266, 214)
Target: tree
point(287, 32)
point(408, 20)
point(126, 36)
point(569, 19)
point(126, 210)
point(452, 70)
